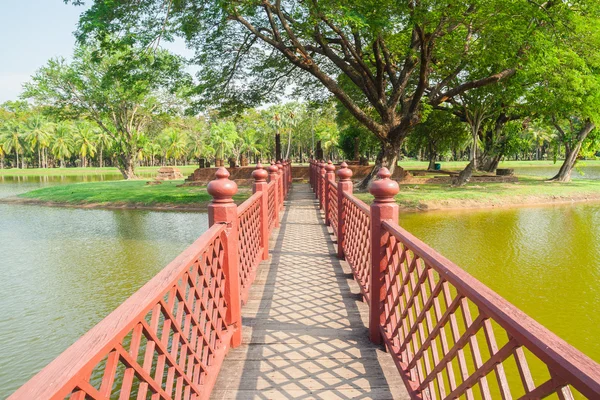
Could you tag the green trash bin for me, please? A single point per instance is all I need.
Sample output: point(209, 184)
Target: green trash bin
point(438, 166)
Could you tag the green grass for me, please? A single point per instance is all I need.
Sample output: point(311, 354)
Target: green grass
point(127, 193)
point(458, 165)
point(526, 191)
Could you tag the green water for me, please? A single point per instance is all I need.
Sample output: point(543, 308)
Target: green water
point(544, 260)
point(63, 270)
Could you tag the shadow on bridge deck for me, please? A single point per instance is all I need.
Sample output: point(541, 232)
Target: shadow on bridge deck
point(305, 334)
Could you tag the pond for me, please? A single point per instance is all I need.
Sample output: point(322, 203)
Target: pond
point(65, 269)
point(545, 260)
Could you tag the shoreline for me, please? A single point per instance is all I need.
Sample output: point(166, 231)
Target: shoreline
point(503, 203)
point(506, 202)
point(200, 207)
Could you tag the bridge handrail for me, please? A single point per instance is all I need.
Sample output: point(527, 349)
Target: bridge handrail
point(181, 324)
point(250, 243)
point(418, 300)
point(568, 366)
point(70, 372)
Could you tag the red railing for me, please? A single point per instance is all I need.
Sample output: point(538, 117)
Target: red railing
point(449, 335)
point(169, 339)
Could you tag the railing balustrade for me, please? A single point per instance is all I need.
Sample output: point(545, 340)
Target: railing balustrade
point(169, 339)
point(449, 335)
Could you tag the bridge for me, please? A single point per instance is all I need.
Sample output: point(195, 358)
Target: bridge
point(304, 291)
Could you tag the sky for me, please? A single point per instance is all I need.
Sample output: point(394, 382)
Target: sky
point(32, 32)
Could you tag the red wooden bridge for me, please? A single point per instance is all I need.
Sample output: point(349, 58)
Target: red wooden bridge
point(315, 297)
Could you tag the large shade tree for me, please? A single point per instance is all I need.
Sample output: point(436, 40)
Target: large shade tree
point(117, 85)
point(398, 57)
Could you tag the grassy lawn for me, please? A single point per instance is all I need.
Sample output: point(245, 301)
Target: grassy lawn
point(526, 191)
point(459, 165)
point(134, 193)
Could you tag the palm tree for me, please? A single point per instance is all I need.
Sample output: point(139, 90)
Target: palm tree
point(38, 135)
point(175, 142)
point(62, 147)
point(104, 141)
point(222, 137)
point(85, 141)
point(2, 152)
point(13, 139)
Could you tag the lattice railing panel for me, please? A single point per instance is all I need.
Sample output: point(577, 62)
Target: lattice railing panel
point(272, 205)
point(250, 248)
point(357, 240)
point(333, 206)
point(173, 349)
point(445, 340)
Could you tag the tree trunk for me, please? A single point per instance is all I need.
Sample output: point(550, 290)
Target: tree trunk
point(39, 158)
point(127, 166)
point(277, 147)
point(387, 157)
point(465, 175)
point(17, 154)
point(490, 163)
point(571, 153)
point(289, 145)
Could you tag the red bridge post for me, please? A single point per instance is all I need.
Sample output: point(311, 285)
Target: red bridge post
point(318, 166)
point(329, 175)
point(384, 208)
point(222, 210)
point(280, 183)
point(274, 177)
point(344, 186)
point(321, 176)
point(260, 185)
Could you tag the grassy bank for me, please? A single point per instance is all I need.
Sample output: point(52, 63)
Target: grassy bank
point(126, 194)
point(479, 195)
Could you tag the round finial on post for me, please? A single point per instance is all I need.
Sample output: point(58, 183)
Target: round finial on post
point(329, 167)
point(260, 174)
point(279, 165)
point(222, 188)
point(344, 173)
point(384, 189)
point(273, 168)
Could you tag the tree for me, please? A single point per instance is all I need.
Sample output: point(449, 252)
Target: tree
point(439, 133)
point(13, 140)
point(223, 136)
point(175, 142)
point(569, 95)
point(38, 135)
point(62, 146)
point(398, 57)
point(119, 86)
point(84, 141)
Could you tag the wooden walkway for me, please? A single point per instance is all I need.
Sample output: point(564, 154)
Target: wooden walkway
point(305, 325)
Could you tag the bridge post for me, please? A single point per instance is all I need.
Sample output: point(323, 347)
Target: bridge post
point(290, 173)
point(318, 165)
point(310, 173)
point(280, 182)
point(329, 175)
point(344, 186)
point(222, 210)
point(261, 185)
point(384, 208)
point(321, 176)
point(273, 177)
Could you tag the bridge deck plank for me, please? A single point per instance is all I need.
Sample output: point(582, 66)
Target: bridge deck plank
point(304, 326)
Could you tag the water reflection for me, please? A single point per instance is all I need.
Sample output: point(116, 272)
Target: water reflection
point(65, 269)
point(546, 261)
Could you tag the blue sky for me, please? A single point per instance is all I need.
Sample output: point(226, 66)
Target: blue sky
point(32, 32)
